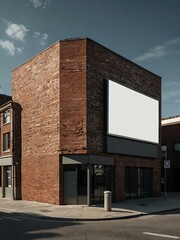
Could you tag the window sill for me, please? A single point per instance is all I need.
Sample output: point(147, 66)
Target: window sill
point(4, 124)
point(7, 151)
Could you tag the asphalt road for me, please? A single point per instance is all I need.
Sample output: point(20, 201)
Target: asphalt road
point(158, 227)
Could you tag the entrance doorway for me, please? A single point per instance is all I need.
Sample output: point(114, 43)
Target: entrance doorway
point(102, 180)
point(76, 183)
point(138, 182)
point(6, 186)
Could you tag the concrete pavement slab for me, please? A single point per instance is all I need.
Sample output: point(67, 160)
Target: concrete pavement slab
point(126, 209)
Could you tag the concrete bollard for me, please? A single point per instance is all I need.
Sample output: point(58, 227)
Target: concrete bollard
point(107, 200)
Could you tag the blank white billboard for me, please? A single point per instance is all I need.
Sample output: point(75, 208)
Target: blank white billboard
point(132, 114)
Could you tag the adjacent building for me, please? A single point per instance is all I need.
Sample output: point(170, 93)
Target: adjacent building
point(171, 151)
point(9, 148)
point(90, 121)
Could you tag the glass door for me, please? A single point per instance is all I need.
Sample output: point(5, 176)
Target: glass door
point(82, 184)
point(102, 179)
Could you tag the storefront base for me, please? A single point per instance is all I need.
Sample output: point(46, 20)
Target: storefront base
point(8, 188)
point(6, 185)
point(86, 177)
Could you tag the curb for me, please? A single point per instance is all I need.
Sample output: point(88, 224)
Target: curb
point(92, 219)
point(38, 216)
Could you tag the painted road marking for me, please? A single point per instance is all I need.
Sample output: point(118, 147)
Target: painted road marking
point(161, 235)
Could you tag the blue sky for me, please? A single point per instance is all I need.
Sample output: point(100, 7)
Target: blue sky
point(144, 31)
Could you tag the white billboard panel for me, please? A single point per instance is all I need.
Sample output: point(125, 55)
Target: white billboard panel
point(132, 114)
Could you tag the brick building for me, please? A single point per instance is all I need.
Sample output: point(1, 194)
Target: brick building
point(9, 148)
point(71, 152)
point(171, 151)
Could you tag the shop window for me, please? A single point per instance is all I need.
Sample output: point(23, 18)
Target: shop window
point(102, 179)
point(177, 151)
point(164, 152)
point(6, 117)
point(6, 141)
point(138, 182)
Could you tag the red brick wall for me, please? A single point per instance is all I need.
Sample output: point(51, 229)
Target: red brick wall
point(129, 161)
point(62, 98)
point(36, 89)
point(5, 128)
point(105, 64)
point(73, 138)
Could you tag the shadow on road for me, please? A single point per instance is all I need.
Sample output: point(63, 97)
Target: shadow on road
point(20, 227)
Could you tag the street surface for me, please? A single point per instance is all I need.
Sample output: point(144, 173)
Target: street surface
point(152, 227)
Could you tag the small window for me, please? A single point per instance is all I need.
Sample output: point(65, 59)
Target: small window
point(6, 117)
point(177, 151)
point(164, 152)
point(6, 141)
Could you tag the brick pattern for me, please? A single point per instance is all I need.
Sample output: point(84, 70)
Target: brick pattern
point(5, 128)
point(73, 97)
point(36, 89)
point(128, 161)
point(105, 64)
point(62, 98)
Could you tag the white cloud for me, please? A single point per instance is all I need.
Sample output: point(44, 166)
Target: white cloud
point(159, 51)
point(40, 3)
point(37, 34)
point(169, 95)
point(171, 91)
point(15, 31)
point(8, 46)
point(155, 52)
point(170, 84)
point(19, 50)
point(174, 41)
point(42, 38)
point(177, 100)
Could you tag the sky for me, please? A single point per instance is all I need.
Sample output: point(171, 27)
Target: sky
point(146, 32)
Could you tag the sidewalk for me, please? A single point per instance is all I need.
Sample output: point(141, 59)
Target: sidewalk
point(127, 209)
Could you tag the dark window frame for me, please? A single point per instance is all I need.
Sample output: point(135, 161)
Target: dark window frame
point(176, 153)
point(6, 117)
point(6, 142)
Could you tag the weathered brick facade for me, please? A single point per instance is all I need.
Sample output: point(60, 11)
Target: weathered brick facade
point(61, 94)
point(105, 64)
point(36, 89)
point(10, 158)
point(73, 111)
